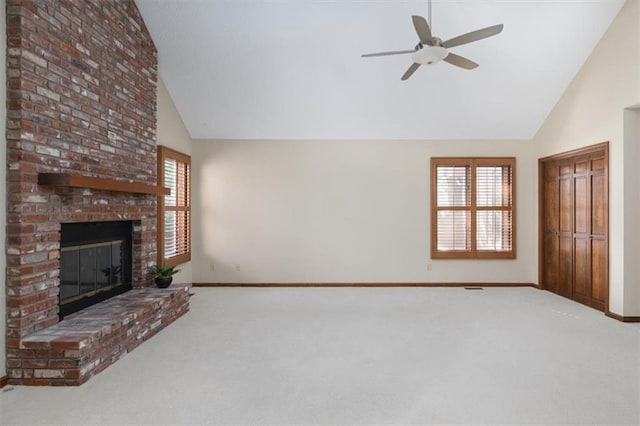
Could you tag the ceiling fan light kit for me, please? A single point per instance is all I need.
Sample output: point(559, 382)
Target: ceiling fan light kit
point(429, 55)
point(431, 50)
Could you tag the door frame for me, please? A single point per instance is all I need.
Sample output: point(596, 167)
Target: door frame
point(541, 229)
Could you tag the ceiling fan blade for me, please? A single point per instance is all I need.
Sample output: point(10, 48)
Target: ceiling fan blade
point(410, 71)
point(423, 30)
point(397, 52)
point(473, 36)
point(460, 61)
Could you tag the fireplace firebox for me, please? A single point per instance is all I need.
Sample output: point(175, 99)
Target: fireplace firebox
point(95, 263)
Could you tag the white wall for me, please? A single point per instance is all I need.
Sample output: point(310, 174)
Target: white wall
point(337, 211)
point(591, 111)
point(3, 184)
point(172, 133)
point(631, 210)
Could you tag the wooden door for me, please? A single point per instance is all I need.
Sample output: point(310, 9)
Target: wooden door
point(551, 227)
point(574, 225)
point(565, 229)
point(599, 245)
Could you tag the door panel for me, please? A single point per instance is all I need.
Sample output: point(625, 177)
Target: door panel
point(580, 165)
point(551, 207)
point(598, 205)
point(581, 267)
point(598, 271)
point(552, 266)
point(565, 206)
point(565, 263)
point(581, 211)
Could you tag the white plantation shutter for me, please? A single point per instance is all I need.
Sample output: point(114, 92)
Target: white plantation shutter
point(170, 180)
point(493, 231)
point(472, 207)
point(454, 186)
point(174, 210)
point(454, 230)
point(494, 201)
point(453, 193)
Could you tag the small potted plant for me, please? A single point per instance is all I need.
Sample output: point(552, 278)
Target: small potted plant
point(163, 274)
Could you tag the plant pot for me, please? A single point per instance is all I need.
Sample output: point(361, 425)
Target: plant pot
point(163, 282)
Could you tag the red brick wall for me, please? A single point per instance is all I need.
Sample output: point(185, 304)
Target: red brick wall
point(81, 96)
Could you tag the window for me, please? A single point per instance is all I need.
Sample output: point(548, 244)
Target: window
point(174, 210)
point(472, 208)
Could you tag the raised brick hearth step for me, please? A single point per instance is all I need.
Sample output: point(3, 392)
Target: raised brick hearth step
point(85, 343)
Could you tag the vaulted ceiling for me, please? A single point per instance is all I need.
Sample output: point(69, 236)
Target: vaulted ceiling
point(291, 69)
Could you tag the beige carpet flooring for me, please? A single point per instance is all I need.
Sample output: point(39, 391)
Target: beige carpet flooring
point(362, 355)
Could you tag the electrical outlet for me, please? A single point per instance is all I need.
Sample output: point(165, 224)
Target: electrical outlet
point(237, 267)
point(429, 267)
point(212, 267)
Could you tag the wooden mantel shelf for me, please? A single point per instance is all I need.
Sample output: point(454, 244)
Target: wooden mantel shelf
point(74, 180)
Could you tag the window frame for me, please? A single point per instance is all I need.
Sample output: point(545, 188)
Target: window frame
point(473, 163)
point(163, 154)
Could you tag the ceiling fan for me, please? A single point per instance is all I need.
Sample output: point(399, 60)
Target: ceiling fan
point(431, 50)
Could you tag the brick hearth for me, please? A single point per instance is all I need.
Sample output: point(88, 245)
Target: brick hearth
point(85, 343)
point(81, 99)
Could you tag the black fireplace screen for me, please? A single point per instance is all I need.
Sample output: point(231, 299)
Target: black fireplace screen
point(95, 263)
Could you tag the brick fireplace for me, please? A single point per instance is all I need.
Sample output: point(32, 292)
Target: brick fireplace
point(81, 104)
